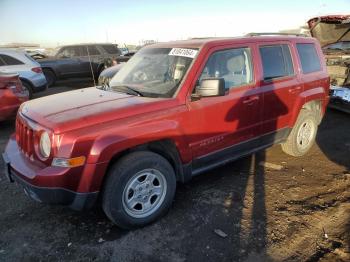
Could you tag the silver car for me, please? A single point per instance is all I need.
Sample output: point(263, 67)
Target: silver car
point(30, 72)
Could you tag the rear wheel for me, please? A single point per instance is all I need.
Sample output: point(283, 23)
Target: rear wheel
point(303, 134)
point(27, 89)
point(139, 189)
point(50, 77)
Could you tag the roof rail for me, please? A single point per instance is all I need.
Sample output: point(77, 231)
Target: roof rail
point(275, 33)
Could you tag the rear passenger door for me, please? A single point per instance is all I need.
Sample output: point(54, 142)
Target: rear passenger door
point(89, 54)
point(281, 87)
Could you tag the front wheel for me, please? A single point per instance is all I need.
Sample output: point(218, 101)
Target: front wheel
point(303, 134)
point(139, 188)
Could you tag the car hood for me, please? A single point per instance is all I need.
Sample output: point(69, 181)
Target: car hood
point(330, 29)
point(86, 107)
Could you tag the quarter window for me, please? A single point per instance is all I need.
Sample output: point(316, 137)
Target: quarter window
point(276, 61)
point(9, 60)
point(234, 65)
point(308, 58)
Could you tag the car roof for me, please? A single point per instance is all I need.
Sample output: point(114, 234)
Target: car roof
point(84, 44)
point(214, 41)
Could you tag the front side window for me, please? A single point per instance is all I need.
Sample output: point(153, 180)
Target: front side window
point(276, 61)
point(308, 57)
point(9, 60)
point(234, 65)
point(68, 52)
point(154, 72)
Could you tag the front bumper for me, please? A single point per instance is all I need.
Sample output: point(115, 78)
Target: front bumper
point(23, 172)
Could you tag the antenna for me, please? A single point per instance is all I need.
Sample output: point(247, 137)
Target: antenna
point(92, 71)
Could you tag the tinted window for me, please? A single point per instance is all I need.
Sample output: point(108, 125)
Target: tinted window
point(68, 52)
point(81, 50)
point(276, 61)
point(1, 62)
point(111, 49)
point(9, 60)
point(93, 50)
point(308, 58)
point(233, 65)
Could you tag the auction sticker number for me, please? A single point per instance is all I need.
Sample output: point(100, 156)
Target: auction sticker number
point(183, 52)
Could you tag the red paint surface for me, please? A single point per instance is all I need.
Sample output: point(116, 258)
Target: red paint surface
point(99, 124)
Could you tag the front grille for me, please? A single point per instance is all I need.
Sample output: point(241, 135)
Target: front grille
point(25, 138)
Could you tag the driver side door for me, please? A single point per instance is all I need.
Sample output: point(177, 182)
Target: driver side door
point(229, 125)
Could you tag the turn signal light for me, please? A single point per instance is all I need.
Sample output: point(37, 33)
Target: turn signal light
point(69, 162)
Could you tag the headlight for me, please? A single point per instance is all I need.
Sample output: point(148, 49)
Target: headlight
point(45, 145)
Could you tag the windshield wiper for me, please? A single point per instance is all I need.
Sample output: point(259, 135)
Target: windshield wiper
point(126, 89)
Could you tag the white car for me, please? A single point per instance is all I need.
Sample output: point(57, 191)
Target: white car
point(29, 71)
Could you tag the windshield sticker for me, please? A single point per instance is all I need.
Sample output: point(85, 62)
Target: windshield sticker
point(183, 52)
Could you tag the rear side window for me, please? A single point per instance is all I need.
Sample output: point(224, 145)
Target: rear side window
point(93, 50)
point(308, 57)
point(111, 49)
point(9, 60)
point(276, 61)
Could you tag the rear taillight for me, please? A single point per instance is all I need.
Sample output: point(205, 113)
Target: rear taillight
point(37, 70)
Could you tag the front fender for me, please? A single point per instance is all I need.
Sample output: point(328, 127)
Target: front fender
point(107, 146)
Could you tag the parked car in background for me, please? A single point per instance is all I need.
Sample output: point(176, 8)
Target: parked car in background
point(173, 111)
point(107, 74)
point(83, 60)
point(333, 32)
point(12, 95)
point(29, 71)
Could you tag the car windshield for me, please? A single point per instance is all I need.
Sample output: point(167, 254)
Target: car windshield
point(338, 46)
point(154, 72)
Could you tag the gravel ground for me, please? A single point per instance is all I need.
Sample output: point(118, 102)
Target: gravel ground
point(243, 211)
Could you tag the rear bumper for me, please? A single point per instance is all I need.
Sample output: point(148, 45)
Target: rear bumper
point(44, 184)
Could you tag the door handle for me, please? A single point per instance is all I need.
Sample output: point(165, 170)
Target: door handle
point(294, 90)
point(250, 100)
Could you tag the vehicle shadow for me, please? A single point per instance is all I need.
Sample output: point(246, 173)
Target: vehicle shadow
point(336, 149)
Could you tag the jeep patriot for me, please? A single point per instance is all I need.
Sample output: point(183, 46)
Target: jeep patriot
point(173, 111)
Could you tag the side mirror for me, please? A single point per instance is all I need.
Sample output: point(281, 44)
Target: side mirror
point(211, 87)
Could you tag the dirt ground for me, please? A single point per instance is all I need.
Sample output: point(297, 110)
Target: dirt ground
point(299, 213)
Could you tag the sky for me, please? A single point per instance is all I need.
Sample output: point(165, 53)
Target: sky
point(58, 22)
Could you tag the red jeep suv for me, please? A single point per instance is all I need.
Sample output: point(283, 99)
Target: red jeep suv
point(173, 111)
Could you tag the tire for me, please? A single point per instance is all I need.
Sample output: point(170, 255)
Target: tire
point(50, 77)
point(129, 198)
point(303, 134)
point(28, 88)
